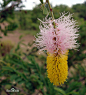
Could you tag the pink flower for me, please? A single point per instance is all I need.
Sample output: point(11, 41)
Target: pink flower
point(59, 39)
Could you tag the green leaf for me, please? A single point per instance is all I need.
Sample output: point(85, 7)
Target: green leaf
point(0, 37)
point(82, 91)
point(73, 93)
point(60, 90)
point(73, 86)
point(20, 82)
point(8, 86)
point(7, 68)
point(41, 1)
point(24, 44)
point(5, 82)
point(45, 11)
point(13, 77)
point(18, 47)
point(18, 79)
point(20, 36)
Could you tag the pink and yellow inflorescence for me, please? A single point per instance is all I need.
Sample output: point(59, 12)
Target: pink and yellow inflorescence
point(57, 41)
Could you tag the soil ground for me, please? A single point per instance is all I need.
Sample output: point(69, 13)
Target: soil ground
point(14, 37)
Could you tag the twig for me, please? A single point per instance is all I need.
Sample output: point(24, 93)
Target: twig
point(5, 91)
point(82, 79)
point(51, 12)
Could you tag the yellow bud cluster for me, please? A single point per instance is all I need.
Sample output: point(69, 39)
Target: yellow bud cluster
point(57, 68)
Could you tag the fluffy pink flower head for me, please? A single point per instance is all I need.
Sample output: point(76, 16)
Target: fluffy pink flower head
point(58, 39)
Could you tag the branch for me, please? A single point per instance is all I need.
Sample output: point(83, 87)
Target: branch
point(5, 91)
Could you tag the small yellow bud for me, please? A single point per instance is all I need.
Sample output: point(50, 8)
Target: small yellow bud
point(57, 68)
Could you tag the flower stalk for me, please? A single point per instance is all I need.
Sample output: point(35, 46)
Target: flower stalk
point(51, 12)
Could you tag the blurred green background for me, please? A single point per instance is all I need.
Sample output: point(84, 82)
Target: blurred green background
point(23, 66)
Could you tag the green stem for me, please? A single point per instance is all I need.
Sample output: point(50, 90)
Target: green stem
point(51, 11)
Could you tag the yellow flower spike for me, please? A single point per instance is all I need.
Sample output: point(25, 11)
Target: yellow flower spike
point(57, 68)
